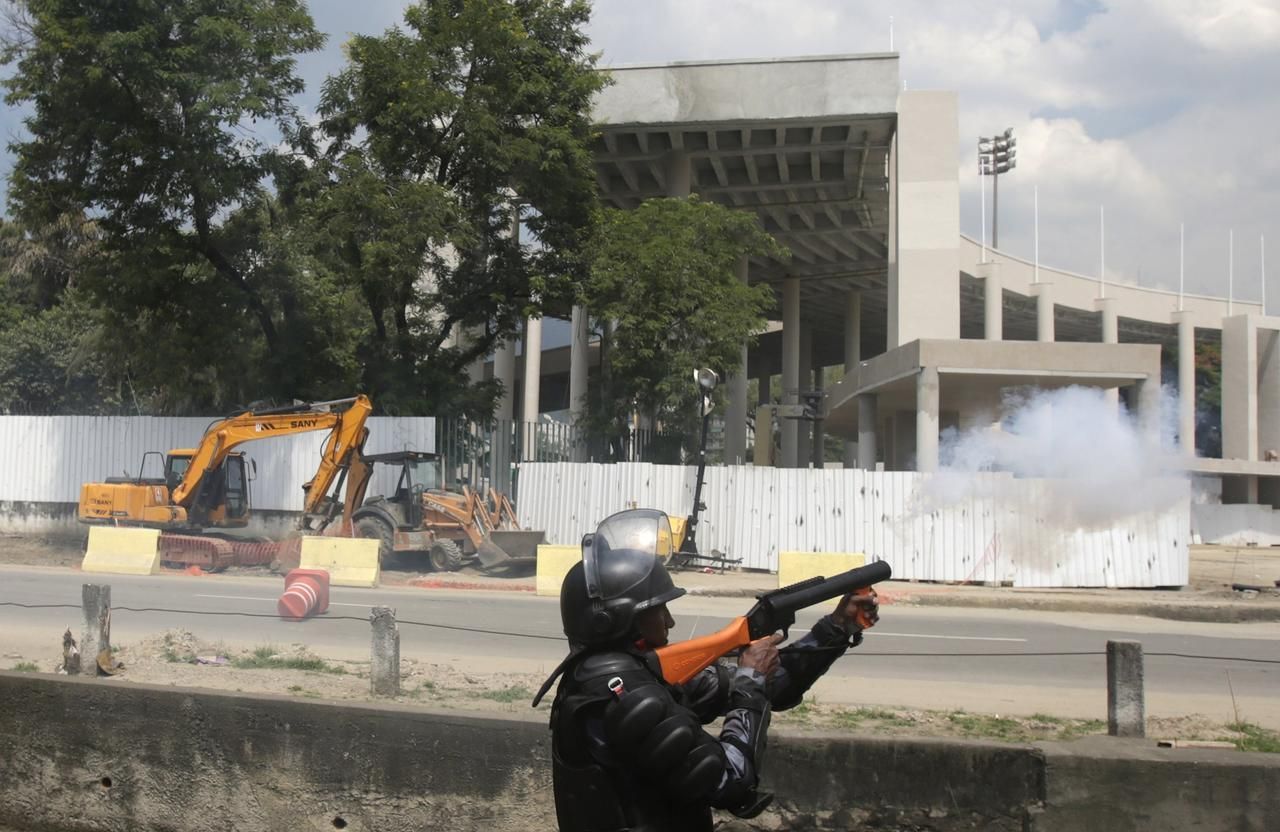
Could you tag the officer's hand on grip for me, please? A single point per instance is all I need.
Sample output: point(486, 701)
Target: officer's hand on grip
point(857, 611)
point(762, 655)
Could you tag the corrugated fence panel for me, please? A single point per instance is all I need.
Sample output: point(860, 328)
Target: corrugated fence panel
point(996, 530)
point(50, 457)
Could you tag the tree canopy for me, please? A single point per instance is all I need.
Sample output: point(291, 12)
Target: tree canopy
point(665, 278)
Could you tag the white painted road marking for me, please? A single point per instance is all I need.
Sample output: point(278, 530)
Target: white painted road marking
point(273, 600)
point(926, 635)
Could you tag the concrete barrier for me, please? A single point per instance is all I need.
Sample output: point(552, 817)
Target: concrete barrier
point(84, 754)
point(554, 562)
point(794, 567)
point(350, 561)
point(121, 551)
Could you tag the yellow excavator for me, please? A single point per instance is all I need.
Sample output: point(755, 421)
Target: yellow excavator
point(206, 488)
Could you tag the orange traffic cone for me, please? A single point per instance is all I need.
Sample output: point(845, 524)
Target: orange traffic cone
point(306, 593)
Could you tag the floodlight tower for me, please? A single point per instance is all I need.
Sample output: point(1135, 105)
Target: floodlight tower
point(997, 155)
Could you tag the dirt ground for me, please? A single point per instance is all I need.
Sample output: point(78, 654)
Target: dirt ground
point(177, 658)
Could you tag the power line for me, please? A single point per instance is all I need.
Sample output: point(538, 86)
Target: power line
point(482, 631)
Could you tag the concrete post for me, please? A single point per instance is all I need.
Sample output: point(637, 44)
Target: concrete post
point(819, 433)
point(1110, 335)
point(1126, 700)
point(992, 301)
point(867, 417)
point(927, 396)
point(735, 417)
point(1186, 382)
point(532, 385)
point(1043, 293)
point(578, 376)
point(95, 636)
point(384, 669)
point(852, 357)
point(804, 443)
point(790, 369)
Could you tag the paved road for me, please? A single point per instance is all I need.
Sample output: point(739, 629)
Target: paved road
point(917, 657)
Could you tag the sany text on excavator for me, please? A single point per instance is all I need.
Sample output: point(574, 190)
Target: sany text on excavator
point(208, 487)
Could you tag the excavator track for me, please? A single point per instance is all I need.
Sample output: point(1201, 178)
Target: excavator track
point(213, 554)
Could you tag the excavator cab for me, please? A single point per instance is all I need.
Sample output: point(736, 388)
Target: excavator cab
point(146, 500)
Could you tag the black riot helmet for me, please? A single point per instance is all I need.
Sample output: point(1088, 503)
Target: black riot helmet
point(621, 573)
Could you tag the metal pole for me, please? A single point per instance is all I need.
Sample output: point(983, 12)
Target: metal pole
point(995, 210)
point(1262, 268)
point(982, 190)
point(1102, 248)
point(1231, 269)
point(1182, 262)
point(1035, 193)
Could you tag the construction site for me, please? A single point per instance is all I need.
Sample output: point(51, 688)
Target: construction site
point(309, 616)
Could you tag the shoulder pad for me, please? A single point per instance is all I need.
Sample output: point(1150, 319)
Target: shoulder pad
point(612, 663)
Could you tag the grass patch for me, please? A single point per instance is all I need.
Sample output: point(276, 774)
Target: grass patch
point(858, 717)
point(983, 725)
point(26, 667)
point(512, 693)
point(268, 658)
point(1255, 738)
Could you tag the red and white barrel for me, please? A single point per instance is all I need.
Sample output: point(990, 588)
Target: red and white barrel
point(306, 593)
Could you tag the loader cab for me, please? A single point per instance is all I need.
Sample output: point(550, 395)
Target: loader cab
point(419, 472)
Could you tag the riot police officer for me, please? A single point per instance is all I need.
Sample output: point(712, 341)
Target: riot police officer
point(629, 751)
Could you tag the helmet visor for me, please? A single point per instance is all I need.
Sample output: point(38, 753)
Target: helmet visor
point(643, 530)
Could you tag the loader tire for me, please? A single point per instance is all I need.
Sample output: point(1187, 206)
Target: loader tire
point(372, 528)
point(445, 556)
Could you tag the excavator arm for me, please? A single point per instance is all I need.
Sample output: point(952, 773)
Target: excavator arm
point(347, 428)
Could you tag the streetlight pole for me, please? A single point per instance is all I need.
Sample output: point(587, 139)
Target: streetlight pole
point(996, 155)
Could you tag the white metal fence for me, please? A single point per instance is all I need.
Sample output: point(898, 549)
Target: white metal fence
point(47, 458)
point(996, 529)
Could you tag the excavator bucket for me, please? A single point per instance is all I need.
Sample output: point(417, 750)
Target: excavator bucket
point(509, 548)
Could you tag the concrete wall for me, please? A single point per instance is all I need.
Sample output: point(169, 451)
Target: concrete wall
point(106, 755)
point(1241, 524)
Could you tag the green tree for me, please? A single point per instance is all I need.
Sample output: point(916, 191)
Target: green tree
point(666, 275)
point(434, 131)
point(147, 116)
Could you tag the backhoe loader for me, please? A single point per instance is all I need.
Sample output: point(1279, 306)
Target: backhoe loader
point(206, 488)
point(422, 515)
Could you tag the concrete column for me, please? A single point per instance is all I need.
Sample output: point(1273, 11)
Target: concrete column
point(924, 219)
point(867, 417)
point(852, 357)
point(95, 635)
point(819, 433)
point(1148, 407)
point(679, 173)
point(1043, 293)
point(504, 370)
point(532, 384)
point(1126, 699)
point(927, 396)
point(735, 417)
point(790, 369)
point(579, 350)
point(804, 444)
point(1240, 389)
point(1186, 382)
point(384, 668)
point(992, 301)
point(1110, 335)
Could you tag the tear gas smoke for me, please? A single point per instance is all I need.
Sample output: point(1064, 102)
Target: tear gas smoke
point(1098, 464)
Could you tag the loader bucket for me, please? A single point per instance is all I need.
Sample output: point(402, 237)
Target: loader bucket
point(509, 548)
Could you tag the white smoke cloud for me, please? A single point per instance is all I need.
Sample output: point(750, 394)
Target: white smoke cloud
point(1098, 465)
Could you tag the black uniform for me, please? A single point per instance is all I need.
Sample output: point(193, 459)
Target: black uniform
point(629, 749)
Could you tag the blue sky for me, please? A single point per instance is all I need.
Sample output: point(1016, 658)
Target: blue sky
point(1161, 110)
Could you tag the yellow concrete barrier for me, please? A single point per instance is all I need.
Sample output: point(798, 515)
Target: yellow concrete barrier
point(121, 551)
point(554, 562)
point(794, 567)
point(350, 561)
